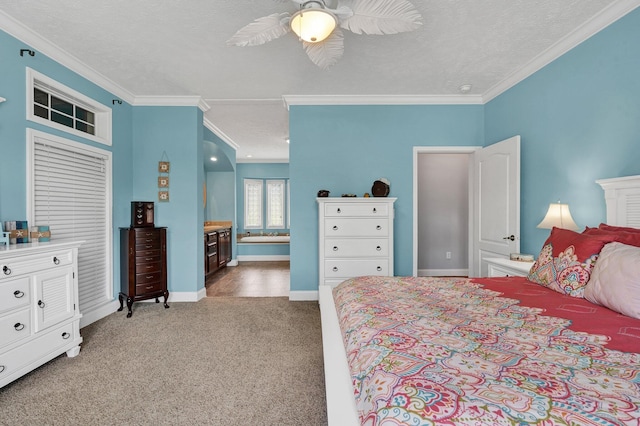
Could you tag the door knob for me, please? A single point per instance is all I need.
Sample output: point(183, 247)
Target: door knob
point(510, 237)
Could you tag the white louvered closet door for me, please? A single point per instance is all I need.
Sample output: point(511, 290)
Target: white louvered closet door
point(71, 192)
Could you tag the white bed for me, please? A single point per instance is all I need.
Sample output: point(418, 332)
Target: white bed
point(622, 196)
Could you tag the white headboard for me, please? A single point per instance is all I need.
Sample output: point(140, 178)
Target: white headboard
point(622, 196)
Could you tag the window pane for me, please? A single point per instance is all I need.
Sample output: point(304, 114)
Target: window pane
point(61, 105)
point(275, 204)
point(84, 127)
point(40, 97)
point(41, 111)
point(62, 119)
point(84, 115)
point(252, 203)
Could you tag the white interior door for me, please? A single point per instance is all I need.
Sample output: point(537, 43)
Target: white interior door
point(495, 220)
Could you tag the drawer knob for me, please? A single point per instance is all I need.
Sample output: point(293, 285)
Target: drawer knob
point(41, 304)
point(6, 270)
point(339, 211)
point(335, 227)
point(335, 248)
point(149, 287)
point(378, 248)
point(2, 367)
point(56, 261)
point(18, 294)
point(335, 269)
point(66, 335)
point(18, 326)
point(149, 277)
point(379, 268)
point(378, 227)
point(374, 210)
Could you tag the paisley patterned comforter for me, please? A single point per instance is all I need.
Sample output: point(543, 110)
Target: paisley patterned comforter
point(428, 351)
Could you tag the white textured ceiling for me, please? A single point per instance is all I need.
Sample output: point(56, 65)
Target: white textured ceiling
point(178, 48)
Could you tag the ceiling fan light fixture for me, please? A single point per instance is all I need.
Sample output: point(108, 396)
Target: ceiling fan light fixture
point(313, 25)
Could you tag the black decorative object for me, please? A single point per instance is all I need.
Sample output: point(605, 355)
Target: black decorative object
point(29, 51)
point(323, 193)
point(142, 214)
point(380, 188)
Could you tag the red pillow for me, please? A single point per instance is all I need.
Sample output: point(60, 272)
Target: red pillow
point(624, 237)
point(618, 228)
point(566, 261)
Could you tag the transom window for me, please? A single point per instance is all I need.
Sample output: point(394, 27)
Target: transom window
point(55, 105)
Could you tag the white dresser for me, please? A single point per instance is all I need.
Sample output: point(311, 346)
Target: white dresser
point(39, 312)
point(356, 238)
point(499, 267)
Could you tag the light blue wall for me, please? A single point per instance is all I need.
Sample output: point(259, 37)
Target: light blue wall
point(178, 133)
point(257, 171)
point(344, 149)
point(13, 125)
point(221, 196)
point(579, 118)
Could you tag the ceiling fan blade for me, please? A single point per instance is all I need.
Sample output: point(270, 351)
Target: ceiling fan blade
point(382, 17)
point(262, 30)
point(327, 53)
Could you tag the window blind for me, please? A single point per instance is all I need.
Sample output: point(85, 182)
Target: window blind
point(71, 195)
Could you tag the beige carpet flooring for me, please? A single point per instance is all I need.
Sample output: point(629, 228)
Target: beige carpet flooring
point(220, 361)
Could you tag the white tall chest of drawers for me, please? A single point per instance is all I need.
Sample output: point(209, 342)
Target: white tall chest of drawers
point(39, 312)
point(355, 238)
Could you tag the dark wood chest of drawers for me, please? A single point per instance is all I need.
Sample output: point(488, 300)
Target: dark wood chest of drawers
point(143, 265)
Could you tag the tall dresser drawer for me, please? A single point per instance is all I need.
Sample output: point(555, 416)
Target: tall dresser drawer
point(143, 268)
point(14, 294)
point(356, 227)
point(334, 268)
point(356, 247)
point(360, 210)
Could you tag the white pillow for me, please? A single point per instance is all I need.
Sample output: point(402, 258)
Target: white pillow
point(615, 279)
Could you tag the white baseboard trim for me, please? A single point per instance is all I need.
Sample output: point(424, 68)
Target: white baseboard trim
point(265, 258)
point(443, 272)
point(99, 313)
point(233, 262)
point(302, 296)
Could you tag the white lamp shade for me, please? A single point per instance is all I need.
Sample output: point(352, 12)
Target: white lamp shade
point(559, 216)
point(313, 25)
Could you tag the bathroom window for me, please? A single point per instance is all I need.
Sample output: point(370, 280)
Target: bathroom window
point(266, 198)
point(253, 203)
point(275, 204)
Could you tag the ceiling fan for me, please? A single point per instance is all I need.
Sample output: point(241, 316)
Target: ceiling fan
point(319, 27)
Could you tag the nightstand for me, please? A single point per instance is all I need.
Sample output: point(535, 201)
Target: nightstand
point(499, 267)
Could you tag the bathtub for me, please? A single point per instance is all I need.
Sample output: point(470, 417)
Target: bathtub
point(265, 239)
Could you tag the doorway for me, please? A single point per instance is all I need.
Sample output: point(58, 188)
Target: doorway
point(442, 192)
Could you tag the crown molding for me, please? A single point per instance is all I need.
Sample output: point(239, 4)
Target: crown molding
point(219, 133)
point(262, 161)
point(381, 100)
point(606, 17)
point(264, 101)
point(18, 30)
point(172, 101)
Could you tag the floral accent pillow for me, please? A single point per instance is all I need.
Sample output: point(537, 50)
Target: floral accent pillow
point(566, 261)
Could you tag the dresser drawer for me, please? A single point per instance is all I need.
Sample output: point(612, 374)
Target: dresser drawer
point(15, 266)
point(14, 294)
point(356, 227)
point(148, 256)
point(354, 247)
point(145, 247)
point(15, 326)
point(335, 268)
point(145, 268)
point(38, 350)
point(359, 209)
point(148, 288)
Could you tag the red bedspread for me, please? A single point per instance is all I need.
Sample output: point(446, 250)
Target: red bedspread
point(425, 351)
point(623, 332)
